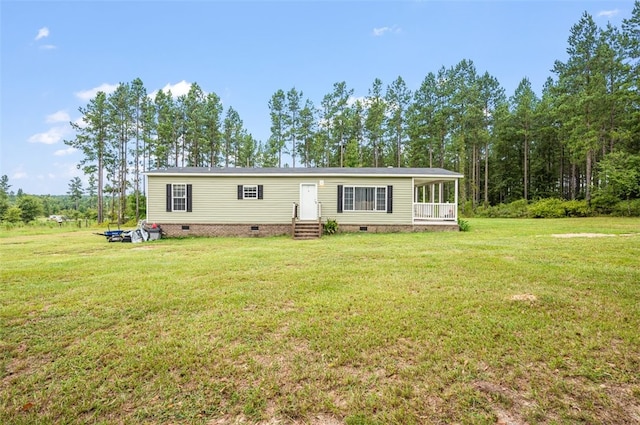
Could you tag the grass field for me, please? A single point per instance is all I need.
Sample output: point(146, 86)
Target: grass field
point(507, 323)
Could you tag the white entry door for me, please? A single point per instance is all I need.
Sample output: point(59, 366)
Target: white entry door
point(308, 201)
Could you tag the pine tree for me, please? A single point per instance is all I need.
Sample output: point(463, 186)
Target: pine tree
point(122, 128)
point(307, 150)
point(397, 98)
point(524, 103)
point(277, 113)
point(374, 122)
point(292, 122)
point(212, 133)
point(93, 140)
point(581, 86)
point(75, 192)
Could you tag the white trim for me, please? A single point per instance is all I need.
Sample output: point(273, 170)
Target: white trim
point(174, 197)
point(375, 201)
point(244, 193)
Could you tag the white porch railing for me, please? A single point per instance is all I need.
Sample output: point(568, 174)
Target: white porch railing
point(435, 212)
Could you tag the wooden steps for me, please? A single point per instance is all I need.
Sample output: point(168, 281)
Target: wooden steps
point(307, 230)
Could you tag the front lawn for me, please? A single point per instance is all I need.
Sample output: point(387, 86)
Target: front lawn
point(518, 321)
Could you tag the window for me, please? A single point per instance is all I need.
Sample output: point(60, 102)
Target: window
point(365, 198)
point(250, 192)
point(179, 197)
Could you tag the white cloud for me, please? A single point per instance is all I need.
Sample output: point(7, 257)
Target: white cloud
point(50, 137)
point(178, 89)
point(19, 175)
point(608, 13)
point(352, 100)
point(379, 32)
point(91, 93)
point(80, 122)
point(48, 47)
point(42, 33)
point(65, 152)
point(60, 116)
point(67, 170)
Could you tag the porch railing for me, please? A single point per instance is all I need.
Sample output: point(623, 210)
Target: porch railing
point(295, 211)
point(435, 211)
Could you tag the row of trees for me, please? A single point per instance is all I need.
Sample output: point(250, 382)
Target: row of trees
point(78, 203)
point(17, 207)
point(582, 134)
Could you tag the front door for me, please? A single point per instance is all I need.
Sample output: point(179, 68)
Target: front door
point(308, 201)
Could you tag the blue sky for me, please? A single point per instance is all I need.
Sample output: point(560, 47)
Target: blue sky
point(55, 55)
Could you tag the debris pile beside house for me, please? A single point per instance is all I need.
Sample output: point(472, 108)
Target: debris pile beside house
point(142, 233)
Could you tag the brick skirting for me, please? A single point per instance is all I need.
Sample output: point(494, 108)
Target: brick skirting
point(213, 230)
point(255, 230)
point(390, 228)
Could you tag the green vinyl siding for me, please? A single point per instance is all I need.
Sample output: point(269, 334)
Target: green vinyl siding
point(215, 199)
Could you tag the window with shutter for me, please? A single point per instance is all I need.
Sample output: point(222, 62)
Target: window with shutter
point(363, 198)
point(250, 191)
point(179, 197)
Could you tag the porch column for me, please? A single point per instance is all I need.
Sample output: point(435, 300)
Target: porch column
point(440, 192)
point(456, 201)
point(433, 193)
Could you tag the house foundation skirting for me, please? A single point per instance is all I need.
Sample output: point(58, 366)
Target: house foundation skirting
point(395, 228)
point(255, 230)
point(174, 230)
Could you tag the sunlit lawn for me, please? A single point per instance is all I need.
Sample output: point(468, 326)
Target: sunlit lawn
point(507, 322)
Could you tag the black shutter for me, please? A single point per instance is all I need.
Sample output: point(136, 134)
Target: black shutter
point(389, 199)
point(339, 198)
point(169, 201)
point(260, 191)
point(189, 202)
point(240, 191)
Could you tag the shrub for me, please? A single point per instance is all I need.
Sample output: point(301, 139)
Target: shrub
point(603, 202)
point(13, 215)
point(330, 226)
point(516, 209)
point(576, 208)
point(30, 207)
point(547, 208)
point(464, 225)
point(627, 208)
point(467, 209)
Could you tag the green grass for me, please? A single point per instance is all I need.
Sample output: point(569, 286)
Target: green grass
point(502, 323)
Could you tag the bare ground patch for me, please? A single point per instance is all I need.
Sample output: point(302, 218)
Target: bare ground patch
point(517, 403)
point(319, 419)
point(582, 235)
point(523, 297)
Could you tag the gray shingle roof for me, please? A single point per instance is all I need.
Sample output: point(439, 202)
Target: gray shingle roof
point(334, 171)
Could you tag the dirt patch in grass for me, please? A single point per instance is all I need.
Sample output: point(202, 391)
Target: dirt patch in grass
point(510, 415)
point(582, 235)
point(625, 400)
point(523, 297)
point(320, 419)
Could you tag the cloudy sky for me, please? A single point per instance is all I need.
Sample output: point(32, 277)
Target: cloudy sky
point(56, 55)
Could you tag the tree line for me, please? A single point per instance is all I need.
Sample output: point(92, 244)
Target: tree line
point(580, 138)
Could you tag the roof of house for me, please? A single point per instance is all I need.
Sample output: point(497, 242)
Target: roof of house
point(334, 171)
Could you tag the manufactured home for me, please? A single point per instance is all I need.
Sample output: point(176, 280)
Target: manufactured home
point(196, 201)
